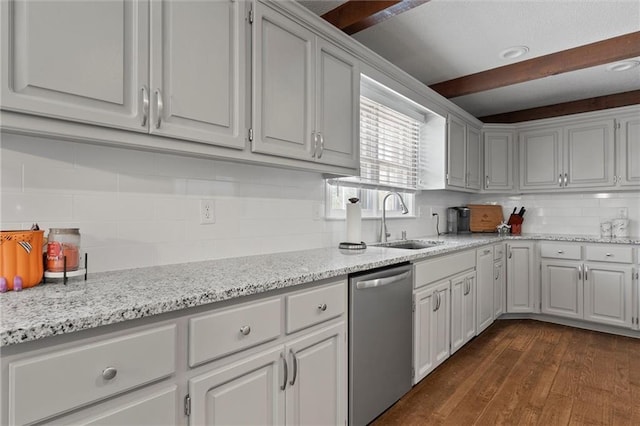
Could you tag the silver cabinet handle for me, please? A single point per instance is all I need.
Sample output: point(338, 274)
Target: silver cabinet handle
point(566, 179)
point(615, 179)
point(579, 272)
point(321, 136)
point(510, 254)
point(608, 255)
point(560, 180)
point(486, 184)
point(560, 251)
point(145, 105)
point(361, 285)
point(109, 373)
point(314, 137)
point(295, 367)
point(586, 273)
point(486, 252)
point(322, 307)
point(497, 272)
point(159, 108)
point(435, 296)
point(245, 330)
point(286, 371)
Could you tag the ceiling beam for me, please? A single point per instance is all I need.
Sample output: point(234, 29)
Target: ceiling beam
point(357, 15)
point(590, 55)
point(566, 108)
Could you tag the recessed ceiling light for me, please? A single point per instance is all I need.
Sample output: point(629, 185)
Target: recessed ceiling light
point(623, 66)
point(514, 52)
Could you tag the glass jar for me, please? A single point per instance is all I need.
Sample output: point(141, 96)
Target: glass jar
point(63, 249)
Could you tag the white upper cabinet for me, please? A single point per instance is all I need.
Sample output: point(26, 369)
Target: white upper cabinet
point(541, 159)
point(305, 99)
point(197, 74)
point(498, 160)
point(463, 155)
point(628, 149)
point(473, 159)
point(579, 155)
point(172, 68)
point(589, 154)
point(79, 61)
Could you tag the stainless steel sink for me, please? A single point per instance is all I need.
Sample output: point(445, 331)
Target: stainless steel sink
point(411, 244)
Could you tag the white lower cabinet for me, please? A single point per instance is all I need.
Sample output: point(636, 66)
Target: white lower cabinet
point(484, 293)
point(595, 287)
point(431, 328)
point(522, 277)
point(302, 382)
point(463, 309)
point(607, 294)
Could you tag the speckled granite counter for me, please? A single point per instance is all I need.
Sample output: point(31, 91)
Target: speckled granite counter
point(112, 297)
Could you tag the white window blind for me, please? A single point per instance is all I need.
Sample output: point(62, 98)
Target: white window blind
point(389, 142)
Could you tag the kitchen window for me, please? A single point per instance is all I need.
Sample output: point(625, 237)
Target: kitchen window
point(391, 131)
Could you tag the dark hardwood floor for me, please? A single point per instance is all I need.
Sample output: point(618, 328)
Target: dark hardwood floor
point(524, 372)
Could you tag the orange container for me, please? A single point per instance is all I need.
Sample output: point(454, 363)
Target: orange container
point(21, 255)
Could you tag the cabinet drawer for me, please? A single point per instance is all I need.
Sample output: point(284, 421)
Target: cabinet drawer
point(560, 251)
point(606, 253)
point(498, 251)
point(231, 330)
point(432, 270)
point(315, 306)
point(52, 384)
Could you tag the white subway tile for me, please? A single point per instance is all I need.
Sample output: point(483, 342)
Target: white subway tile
point(68, 180)
point(10, 176)
point(35, 207)
point(103, 207)
point(150, 184)
point(135, 207)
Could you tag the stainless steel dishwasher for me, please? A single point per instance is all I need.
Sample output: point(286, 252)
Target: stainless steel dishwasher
point(380, 341)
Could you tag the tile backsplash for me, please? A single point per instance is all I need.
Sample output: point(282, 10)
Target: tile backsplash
point(137, 208)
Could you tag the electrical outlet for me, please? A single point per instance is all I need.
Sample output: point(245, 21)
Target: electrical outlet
point(207, 212)
point(622, 212)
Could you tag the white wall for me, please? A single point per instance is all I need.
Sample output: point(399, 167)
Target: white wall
point(137, 209)
point(570, 213)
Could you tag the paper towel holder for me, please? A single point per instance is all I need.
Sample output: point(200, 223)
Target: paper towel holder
point(352, 245)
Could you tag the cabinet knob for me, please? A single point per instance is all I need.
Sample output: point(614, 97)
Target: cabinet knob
point(322, 307)
point(560, 251)
point(608, 255)
point(109, 373)
point(245, 330)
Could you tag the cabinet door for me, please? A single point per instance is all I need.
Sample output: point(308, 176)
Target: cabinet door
point(629, 151)
point(80, 61)
point(469, 307)
point(589, 154)
point(608, 295)
point(456, 152)
point(541, 159)
point(432, 328)
point(283, 86)
point(317, 386)
point(458, 294)
point(245, 392)
point(484, 294)
point(473, 159)
point(338, 106)
point(498, 161)
point(562, 289)
point(198, 71)
point(499, 288)
point(521, 278)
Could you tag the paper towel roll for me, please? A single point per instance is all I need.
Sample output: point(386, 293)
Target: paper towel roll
point(354, 223)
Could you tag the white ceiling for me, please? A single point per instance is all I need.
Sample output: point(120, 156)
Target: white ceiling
point(444, 39)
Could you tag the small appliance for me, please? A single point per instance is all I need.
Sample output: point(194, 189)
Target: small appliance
point(458, 220)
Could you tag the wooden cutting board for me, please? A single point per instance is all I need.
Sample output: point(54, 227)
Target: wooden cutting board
point(485, 218)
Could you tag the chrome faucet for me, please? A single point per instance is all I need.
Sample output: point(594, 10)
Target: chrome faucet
point(383, 226)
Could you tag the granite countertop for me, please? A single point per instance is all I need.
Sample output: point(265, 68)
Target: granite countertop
point(111, 297)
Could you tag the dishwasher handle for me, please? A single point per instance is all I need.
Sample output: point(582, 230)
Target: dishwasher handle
point(379, 282)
